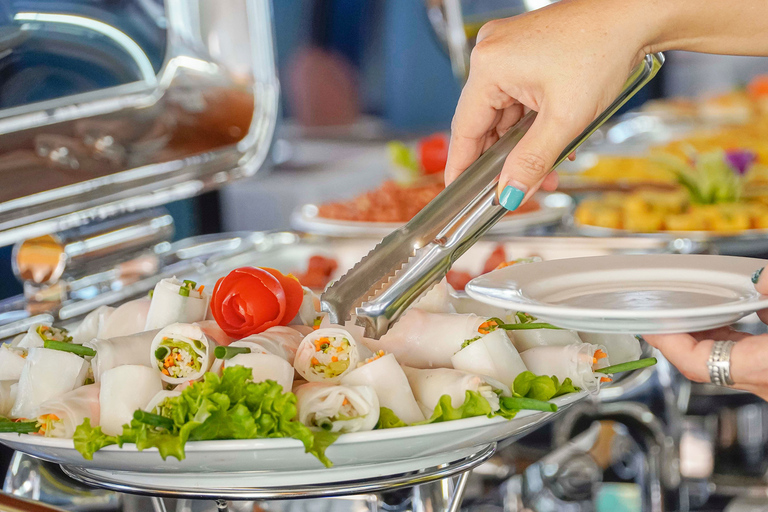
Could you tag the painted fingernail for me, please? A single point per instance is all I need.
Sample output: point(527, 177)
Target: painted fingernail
point(511, 197)
point(756, 275)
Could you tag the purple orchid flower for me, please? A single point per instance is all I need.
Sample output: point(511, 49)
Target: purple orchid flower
point(740, 160)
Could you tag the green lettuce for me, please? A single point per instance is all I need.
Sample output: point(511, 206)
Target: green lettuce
point(541, 387)
point(228, 407)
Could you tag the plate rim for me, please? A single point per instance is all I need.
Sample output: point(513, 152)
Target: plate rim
point(536, 307)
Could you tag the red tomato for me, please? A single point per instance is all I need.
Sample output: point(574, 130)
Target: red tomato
point(294, 294)
point(458, 279)
point(248, 301)
point(433, 153)
point(496, 258)
point(758, 86)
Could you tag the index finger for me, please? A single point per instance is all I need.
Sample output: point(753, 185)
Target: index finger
point(474, 118)
point(685, 353)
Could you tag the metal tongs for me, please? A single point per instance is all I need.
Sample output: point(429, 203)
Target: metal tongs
point(411, 259)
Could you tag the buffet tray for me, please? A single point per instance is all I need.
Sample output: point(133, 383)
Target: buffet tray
point(553, 208)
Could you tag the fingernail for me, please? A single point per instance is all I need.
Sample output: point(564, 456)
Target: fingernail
point(511, 197)
point(756, 275)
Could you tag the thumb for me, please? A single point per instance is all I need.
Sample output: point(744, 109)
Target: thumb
point(532, 159)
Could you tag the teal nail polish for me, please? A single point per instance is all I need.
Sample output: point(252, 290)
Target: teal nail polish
point(756, 275)
point(511, 197)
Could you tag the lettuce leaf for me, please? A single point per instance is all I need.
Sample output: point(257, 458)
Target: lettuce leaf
point(388, 419)
point(541, 387)
point(228, 407)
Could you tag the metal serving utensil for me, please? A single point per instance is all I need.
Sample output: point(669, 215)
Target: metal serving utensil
point(411, 259)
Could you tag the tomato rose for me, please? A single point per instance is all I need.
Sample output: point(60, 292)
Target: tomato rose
point(248, 301)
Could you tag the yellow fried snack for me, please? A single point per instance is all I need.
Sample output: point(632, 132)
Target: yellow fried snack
point(643, 223)
point(610, 169)
point(684, 222)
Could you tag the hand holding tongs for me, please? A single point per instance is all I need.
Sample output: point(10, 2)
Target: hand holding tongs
point(408, 261)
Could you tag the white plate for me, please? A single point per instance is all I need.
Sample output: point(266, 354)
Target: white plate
point(409, 448)
point(553, 206)
point(646, 294)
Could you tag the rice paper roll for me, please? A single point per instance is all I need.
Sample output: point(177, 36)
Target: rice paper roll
point(429, 385)
point(12, 362)
point(156, 403)
point(129, 318)
point(60, 416)
point(280, 341)
point(621, 348)
point(526, 339)
point(38, 334)
point(309, 310)
point(438, 299)
point(7, 396)
point(175, 301)
point(92, 325)
point(124, 390)
point(337, 408)
point(575, 362)
point(492, 355)
point(385, 376)
point(215, 333)
point(265, 366)
point(327, 354)
point(47, 374)
point(425, 340)
point(181, 352)
point(120, 351)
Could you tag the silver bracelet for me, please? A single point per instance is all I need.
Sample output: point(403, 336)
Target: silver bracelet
point(719, 363)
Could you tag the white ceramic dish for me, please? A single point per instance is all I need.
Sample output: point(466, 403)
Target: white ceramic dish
point(648, 294)
point(553, 207)
point(409, 448)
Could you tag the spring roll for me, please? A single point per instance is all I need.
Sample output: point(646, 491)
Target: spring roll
point(38, 334)
point(280, 341)
point(7, 396)
point(265, 366)
point(182, 352)
point(115, 352)
point(337, 408)
point(467, 305)
point(491, 355)
point(327, 354)
point(309, 310)
point(12, 361)
point(47, 374)
point(60, 416)
point(384, 375)
point(526, 339)
point(215, 333)
point(92, 325)
point(156, 403)
point(175, 301)
point(124, 390)
point(575, 362)
point(426, 340)
point(437, 300)
point(127, 319)
point(429, 385)
point(621, 348)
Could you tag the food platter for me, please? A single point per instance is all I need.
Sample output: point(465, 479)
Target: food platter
point(354, 455)
point(649, 294)
point(752, 242)
point(553, 207)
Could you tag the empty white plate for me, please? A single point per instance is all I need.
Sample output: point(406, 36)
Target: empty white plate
point(645, 294)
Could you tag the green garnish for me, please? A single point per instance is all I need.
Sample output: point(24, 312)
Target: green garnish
point(229, 352)
point(89, 380)
point(230, 406)
point(69, 347)
point(151, 293)
point(190, 284)
point(628, 366)
point(184, 292)
point(19, 427)
point(48, 333)
point(162, 352)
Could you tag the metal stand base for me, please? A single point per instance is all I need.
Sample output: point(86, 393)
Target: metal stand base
point(451, 478)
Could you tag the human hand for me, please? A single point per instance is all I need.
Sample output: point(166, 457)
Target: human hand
point(749, 356)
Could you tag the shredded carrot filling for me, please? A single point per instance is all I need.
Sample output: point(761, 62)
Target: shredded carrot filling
point(334, 359)
point(606, 379)
point(487, 327)
point(599, 354)
point(315, 361)
point(201, 289)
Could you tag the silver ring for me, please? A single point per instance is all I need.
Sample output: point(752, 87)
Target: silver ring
point(719, 363)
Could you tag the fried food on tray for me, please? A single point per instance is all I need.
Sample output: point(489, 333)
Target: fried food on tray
point(393, 203)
